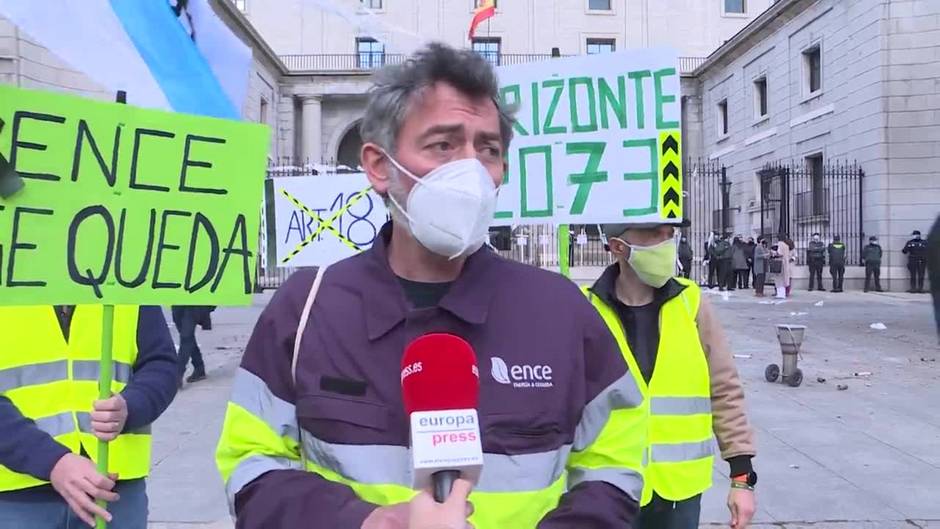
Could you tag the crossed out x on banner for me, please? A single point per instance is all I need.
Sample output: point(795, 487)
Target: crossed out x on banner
point(323, 225)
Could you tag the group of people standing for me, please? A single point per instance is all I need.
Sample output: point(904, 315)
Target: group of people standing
point(730, 262)
point(733, 262)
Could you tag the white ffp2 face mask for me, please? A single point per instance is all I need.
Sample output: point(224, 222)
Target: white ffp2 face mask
point(449, 211)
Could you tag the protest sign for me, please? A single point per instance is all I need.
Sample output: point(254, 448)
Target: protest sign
point(324, 218)
point(597, 140)
point(123, 205)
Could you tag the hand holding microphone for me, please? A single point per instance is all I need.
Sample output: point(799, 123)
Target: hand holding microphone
point(440, 385)
point(425, 513)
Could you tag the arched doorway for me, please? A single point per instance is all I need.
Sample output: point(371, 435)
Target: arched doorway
point(348, 151)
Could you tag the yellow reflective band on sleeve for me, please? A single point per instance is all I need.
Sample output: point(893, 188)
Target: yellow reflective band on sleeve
point(245, 436)
point(251, 393)
point(622, 394)
point(250, 469)
point(622, 444)
point(628, 481)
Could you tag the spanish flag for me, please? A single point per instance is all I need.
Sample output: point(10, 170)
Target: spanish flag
point(485, 9)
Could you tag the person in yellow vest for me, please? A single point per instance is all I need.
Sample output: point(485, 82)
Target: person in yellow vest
point(51, 418)
point(687, 374)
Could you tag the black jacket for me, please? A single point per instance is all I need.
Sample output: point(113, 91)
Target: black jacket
point(685, 251)
point(916, 250)
point(837, 254)
point(872, 254)
point(816, 252)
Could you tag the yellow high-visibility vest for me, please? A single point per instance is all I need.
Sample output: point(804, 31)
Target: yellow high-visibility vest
point(54, 382)
point(681, 450)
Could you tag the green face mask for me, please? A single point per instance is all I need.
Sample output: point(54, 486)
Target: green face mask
point(654, 265)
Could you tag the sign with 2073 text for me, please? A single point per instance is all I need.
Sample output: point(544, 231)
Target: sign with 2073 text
point(597, 140)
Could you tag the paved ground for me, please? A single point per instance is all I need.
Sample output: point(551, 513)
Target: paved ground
point(864, 458)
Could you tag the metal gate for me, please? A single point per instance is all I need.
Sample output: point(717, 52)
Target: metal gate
point(811, 196)
point(708, 207)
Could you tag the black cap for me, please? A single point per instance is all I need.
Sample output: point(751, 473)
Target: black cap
point(916, 232)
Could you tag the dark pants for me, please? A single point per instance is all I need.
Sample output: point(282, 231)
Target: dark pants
point(185, 319)
point(686, 267)
point(872, 271)
point(759, 283)
point(725, 274)
point(43, 508)
point(918, 269)
point(665, 514)
point(712, 272)
point(741, 276)
point(838, 276)
point(815, 275)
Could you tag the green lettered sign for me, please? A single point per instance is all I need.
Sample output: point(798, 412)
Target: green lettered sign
point(596, 139)
point(123, 205)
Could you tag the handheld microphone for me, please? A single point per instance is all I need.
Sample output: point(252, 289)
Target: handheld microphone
point(440, 385)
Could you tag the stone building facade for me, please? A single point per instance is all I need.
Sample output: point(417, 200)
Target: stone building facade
point(815, 86)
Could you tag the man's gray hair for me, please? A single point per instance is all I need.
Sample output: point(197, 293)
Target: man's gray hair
point(395, 88)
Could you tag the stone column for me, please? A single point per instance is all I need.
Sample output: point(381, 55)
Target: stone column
point(311, 129)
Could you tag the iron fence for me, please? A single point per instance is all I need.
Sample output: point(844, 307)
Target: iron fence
point(708, 207)
point(340, 62)
point(800, 198)
point(688, 65)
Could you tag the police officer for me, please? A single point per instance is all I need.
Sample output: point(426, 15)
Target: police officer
point(916, 251)
point(836, 252)
point(871, 258)
point(816, 257)
point(685, 256)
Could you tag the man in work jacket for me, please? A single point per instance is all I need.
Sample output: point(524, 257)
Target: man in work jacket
point(562, 450)
point(687, 373)
point(51, 418)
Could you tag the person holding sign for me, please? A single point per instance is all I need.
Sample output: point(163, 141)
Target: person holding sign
point(677, 350)
point(315, 434)
point(52, 421)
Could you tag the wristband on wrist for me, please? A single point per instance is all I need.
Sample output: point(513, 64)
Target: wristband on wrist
point(741, 485)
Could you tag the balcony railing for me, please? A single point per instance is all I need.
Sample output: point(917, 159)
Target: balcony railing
point(367, 61)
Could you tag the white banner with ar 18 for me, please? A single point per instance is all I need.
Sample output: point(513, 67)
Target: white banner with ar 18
point(324, 218)
point(597, 140)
